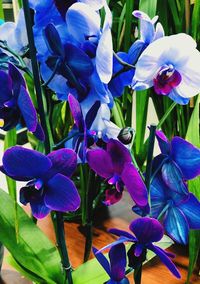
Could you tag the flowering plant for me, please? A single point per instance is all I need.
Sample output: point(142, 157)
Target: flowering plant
point(75, 84)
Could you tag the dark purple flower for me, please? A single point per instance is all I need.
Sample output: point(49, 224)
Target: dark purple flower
point(179, 160)
point(16, 104)
point(146, 231)
point(180, 209)
point(115, 165)
point(117, 267)
point(49, 187)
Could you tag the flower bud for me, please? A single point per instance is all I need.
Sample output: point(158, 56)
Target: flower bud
point(126, 135)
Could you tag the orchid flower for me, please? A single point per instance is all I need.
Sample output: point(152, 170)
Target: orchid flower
point(146, 231)
point(170, 65)
point(115, 165)
point(179, 160)
point(15, 103)
point(117, 267)
point(49, 187)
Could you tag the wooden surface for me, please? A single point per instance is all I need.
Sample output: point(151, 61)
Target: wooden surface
point(118, 216)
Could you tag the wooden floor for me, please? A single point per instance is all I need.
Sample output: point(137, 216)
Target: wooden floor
point(118, 216)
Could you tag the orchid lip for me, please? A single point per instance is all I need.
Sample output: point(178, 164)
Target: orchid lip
point(114, 179)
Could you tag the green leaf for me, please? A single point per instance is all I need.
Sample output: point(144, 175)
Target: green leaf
point(118, 115)
point(194, 185)
point(149, 7)
point(92, 272)
point(1, 10)
point(33, 250)
point(196, 20)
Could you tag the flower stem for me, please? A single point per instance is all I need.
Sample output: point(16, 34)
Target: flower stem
point(138, 274)
point(172, 106)
point(149, 159)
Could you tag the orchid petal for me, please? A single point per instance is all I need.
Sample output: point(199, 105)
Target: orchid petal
point(18, 161)
point(39, 209)
point(122, 233)
point(5, 87)
point(117, 255)
point(176, 225)
point(147, 230)
point(102, 260)
point(112, 196)
point(163, 142)
point(61, 194)
point(76, 112)
point(134, 184)
point(186, 156)
point(165, 259)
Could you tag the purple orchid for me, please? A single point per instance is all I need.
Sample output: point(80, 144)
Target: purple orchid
point(16, 104)
point(170, 65)
point(49, 187)
point(115, 165)
point(179, 160)
point(117, 267)
point(179, 209)
point(146, 231)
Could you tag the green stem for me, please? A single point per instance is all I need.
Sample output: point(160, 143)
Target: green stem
point(172, 106)
point(149, 159)
point(138, 274)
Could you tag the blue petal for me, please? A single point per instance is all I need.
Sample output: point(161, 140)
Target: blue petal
point(22, 162)
point(64, 161)
point(173, 178)
point(119, 241)
point(102, 260)
point(122, 233)
point(76, 112)
point(165, 259)
point(92, 114)
point(61, 194)
point(117, 255)
point(186, 156)
point(191, 210)
point(27, 110)
point(135, 50)
point(39, 133)
point(5, 87)
point(17, 79)
point(174, 95)
point(163, 142)
point(39, 209)
point(176, 225)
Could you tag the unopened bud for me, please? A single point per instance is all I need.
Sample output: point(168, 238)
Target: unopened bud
point(126, 135)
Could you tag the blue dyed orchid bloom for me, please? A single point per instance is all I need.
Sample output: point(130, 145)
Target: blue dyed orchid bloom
point(179, 160)
point(116, 268)
point(146, 231)
point(49, 187)
point(115, 165)
point(180, 210)
point(170, 65)
point(15, 34)
point(149, 32)
point(16, 104)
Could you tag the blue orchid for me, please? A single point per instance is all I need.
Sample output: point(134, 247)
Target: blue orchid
point(123, 75)
point(115, 165)
point(179, 209)
point(170, 65)
point(16, 104)
point(117, 267)
point(15, 34)
point(146, 231)
point(90, 125)
point(179, 160)
point(49, 187)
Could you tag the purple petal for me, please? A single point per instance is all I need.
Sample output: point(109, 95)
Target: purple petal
point(186, 156)
point(21, 162)
point(64, 161)
point(39, 209)
point(5, 87)
point(117, 255)
point(112, 196)
point(121, 233)
point(191, 210)
point(173, 178)
point(102, 260)
point(163, 142)
point(27, 109)
point(17, 79)
point(61, 194)
point(134, 185)
point(147, 230)
point(165, 259)
point(100, 162)
point(39, 133)
point(119, 241)
point(119, 155)
point(76, 112)
point(176, 225)
point(166, 85)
